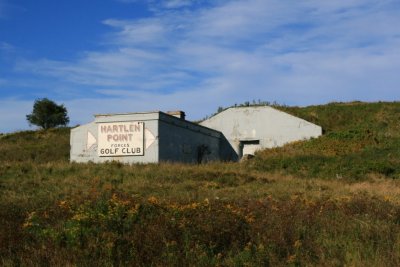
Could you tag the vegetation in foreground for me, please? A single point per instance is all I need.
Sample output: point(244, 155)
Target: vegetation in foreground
point(332, 201)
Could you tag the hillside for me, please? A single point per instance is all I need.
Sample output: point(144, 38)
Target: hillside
point(331, 201)
point(35, 146)
point(359, 139)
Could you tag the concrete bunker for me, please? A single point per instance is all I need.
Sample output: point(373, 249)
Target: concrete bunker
point(152, 137)
point(147, 137)
point(248, 129)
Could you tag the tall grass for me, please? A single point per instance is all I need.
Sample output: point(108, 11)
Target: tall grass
point(333, 201)
point(114, 228)
point(360, 139)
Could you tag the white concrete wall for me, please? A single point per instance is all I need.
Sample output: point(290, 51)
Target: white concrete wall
point(172, 139)
point(230, 134)
point(83, 151)
point(273, 128)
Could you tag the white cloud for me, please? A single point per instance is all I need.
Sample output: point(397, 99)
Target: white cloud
point(303, 52)
point(178, 3)
point(149, 31)
point(157, 5)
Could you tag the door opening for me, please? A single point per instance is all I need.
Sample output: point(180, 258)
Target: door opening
point(249, 147)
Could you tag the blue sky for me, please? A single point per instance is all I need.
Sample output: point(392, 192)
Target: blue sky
point(195, 55)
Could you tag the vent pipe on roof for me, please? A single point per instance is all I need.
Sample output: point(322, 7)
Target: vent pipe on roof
point(179, 114)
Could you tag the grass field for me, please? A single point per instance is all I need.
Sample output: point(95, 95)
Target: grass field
point(331, 201)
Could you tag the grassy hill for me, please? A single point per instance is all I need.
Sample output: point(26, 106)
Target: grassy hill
point(331, 201)
point(360, 139)
point(35, 146)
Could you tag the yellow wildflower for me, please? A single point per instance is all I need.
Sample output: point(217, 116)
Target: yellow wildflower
point(153, 200)
point(80, 217)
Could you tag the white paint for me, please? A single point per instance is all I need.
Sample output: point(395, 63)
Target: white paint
point(149, 138)
point(91, 140)
point(268, 125)
point(120, 139)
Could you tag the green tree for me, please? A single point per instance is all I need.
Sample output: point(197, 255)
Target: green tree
point(47, 114)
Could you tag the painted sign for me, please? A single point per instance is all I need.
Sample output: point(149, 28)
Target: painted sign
point(120, 139)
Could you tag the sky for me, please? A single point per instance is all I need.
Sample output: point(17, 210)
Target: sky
point(113, 56)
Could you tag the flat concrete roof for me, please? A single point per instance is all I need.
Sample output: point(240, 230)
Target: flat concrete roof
point(126, 113)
